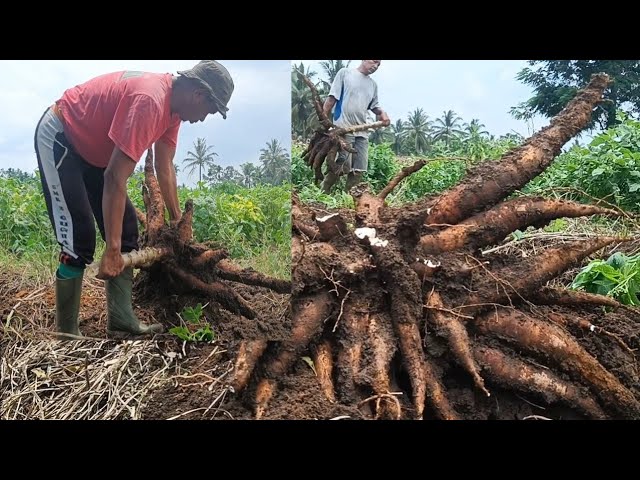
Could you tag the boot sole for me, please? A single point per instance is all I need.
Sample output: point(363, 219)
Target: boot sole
point(125, 334)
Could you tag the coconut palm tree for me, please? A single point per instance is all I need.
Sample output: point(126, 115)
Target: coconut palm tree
point(397, 130)
point(448, 127)
point(250, 174)
point(276, 164)
point(417, 131)
point(331, 69)
point(303, 113)
point(201, 158)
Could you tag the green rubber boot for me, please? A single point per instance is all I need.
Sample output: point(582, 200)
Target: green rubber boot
point(68, 292)
point(353, 179)
point(329, 181)
point(120, 316)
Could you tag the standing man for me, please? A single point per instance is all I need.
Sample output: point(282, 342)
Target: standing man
point(88, 144)
point(353, 93)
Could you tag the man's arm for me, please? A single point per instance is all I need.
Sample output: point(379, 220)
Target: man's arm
point(164, 154)
point(381, 115)
point(113, 202)
point(328, 106)
point(335, 93)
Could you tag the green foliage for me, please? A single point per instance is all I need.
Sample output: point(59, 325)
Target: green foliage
point(337, 199)
point(617, 277)
point(24, 223)
point(434, 177)
point(382, 166)
point(301, 174)
point(194, 327)
point(245, 221)
point(556, 82)
point(609, 167)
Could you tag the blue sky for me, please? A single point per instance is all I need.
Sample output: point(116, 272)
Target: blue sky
point(259, 110)
point(482, 89)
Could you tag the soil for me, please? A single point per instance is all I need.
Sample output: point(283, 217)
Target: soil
point(202, 369)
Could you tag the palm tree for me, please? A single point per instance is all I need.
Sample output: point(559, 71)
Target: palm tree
point(303, 114)
point(476, 142)
point(331, 68)
point(448, 127)
point(397, 130)
point(250, 174)
point(276, 165)
point(214, 175)
point(417, 131)
point(381, 135)
point(201, 158)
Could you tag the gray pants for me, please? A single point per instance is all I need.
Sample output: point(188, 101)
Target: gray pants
point(352, 164)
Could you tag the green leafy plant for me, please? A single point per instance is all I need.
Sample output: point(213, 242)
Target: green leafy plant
point(617, 277)
point(194, 327)
point(608, 168)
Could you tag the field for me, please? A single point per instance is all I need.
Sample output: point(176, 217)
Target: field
point(251, 225)
point(452, 287)
point(481, 279)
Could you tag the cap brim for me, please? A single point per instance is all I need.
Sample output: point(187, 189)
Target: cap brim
point(222, 109)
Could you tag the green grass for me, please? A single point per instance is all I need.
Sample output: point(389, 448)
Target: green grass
point(254, 225)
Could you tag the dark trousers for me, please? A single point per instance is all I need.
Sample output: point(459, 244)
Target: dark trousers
point(73, 193)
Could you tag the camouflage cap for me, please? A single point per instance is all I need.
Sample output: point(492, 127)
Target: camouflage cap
point(216, 79)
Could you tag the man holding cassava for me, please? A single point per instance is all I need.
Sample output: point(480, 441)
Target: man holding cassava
point(353, 93)
point(88, 144)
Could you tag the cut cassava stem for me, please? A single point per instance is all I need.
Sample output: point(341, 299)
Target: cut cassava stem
point(317, 102)
point(136, 259)
point(404, 173)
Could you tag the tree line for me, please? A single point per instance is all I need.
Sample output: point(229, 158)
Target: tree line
point(554, 82)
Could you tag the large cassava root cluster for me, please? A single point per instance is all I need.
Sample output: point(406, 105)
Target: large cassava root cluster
point(374, 295)
point(178, 260)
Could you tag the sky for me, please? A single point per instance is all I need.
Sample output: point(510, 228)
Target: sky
point(482, 89)
point(259, 109)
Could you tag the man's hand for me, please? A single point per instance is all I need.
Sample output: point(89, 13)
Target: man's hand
point(114, 198)
point(111, 265)
point(381, 116)
point(166, 173)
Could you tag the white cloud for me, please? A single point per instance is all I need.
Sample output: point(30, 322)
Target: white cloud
point(259, 108)
point(474, 88)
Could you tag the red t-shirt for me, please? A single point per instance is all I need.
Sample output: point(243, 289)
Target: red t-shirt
point(128, 109)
